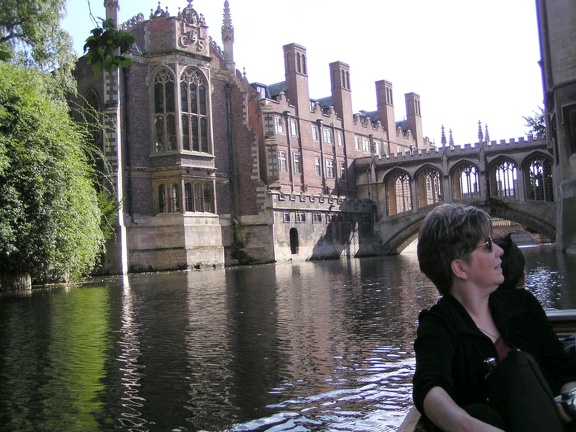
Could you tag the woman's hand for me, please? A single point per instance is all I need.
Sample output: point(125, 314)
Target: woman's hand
point(566, 418)
point(568, 412)
point(444, 413)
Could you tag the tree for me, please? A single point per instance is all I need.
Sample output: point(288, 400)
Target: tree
point(49, 214)
point(30, 34)
point(536, 123)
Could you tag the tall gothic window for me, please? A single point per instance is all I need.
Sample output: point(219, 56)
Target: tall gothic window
point(194, 106)
point(538, 179)
point(429, 182)
point(398, 193)
point(164, 112)
point(465, 181)
point(503, 179)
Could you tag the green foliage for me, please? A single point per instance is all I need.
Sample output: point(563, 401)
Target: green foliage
point(102, 47)
point(30, 34)
point(91, 120)
point(49, 212)
point(536, 124)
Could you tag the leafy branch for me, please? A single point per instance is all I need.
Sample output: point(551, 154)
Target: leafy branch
point(106, 47)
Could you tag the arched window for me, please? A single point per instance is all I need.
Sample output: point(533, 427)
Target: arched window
point(194, 107)
point(208, 198)
point(161, 199)
point(174, 198)
point(164, 112)
point(188, 197)
point(538, 179)
point(465, 180)
point(429, 182)
point(503, 179)
point(398, 192)
point(198, 197)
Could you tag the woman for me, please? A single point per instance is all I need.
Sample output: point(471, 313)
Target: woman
point(472, 322)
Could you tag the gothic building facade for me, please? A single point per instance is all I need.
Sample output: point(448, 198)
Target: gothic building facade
point(556, 26)
point(211, 170)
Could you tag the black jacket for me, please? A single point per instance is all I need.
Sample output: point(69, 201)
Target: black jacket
point(450, 349)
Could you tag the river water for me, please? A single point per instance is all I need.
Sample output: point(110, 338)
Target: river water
point(286, 347)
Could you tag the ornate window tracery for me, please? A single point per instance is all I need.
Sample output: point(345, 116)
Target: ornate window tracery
point(429, 182)
point(465, 181)
point(504, 179)
point(194, 109)
point(198, 197)
point(398, 192)
point(538, 179)
point(164, 111)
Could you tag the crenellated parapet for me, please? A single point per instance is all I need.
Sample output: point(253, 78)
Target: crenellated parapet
point(520, 144)
point(318, 202)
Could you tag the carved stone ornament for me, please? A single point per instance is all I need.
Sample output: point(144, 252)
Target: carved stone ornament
point(159, 12)
point(193, 28)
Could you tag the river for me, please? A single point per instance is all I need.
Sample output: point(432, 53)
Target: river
point(288, 347)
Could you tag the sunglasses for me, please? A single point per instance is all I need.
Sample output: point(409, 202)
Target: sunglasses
point(487, 244)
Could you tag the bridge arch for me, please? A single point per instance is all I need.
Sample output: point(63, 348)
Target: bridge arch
point(406, 226)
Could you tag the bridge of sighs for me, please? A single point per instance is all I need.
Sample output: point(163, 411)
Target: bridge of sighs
point(512, 180)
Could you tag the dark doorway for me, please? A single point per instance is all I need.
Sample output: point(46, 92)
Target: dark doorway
point(294, 244)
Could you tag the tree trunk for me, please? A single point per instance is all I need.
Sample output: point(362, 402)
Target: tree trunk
point(15, 283)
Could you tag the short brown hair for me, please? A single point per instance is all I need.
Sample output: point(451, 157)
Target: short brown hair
point(449, 231)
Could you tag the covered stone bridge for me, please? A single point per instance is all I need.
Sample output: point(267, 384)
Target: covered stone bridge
point(511, 180)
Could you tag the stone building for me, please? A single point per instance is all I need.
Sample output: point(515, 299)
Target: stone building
point(557, 26)
point(213, 170)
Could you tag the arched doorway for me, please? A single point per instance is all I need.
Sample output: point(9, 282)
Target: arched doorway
point(294, 243)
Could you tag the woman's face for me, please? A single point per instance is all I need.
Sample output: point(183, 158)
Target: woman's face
point(485, 268)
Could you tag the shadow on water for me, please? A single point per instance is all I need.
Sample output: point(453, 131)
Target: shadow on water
point(287, 347)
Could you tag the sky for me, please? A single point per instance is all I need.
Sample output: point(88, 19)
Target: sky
point(468, 61)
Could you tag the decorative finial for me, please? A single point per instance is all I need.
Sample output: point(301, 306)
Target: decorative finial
point(443, 137)
point(480, 134)
point(159, 12)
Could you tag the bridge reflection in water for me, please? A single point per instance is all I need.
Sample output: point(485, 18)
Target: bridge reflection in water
point(304, 346)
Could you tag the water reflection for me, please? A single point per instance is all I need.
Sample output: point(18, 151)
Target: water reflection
point(551, 276)
point(291, 347)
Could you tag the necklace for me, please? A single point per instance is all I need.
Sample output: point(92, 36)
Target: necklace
point(488, 334)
